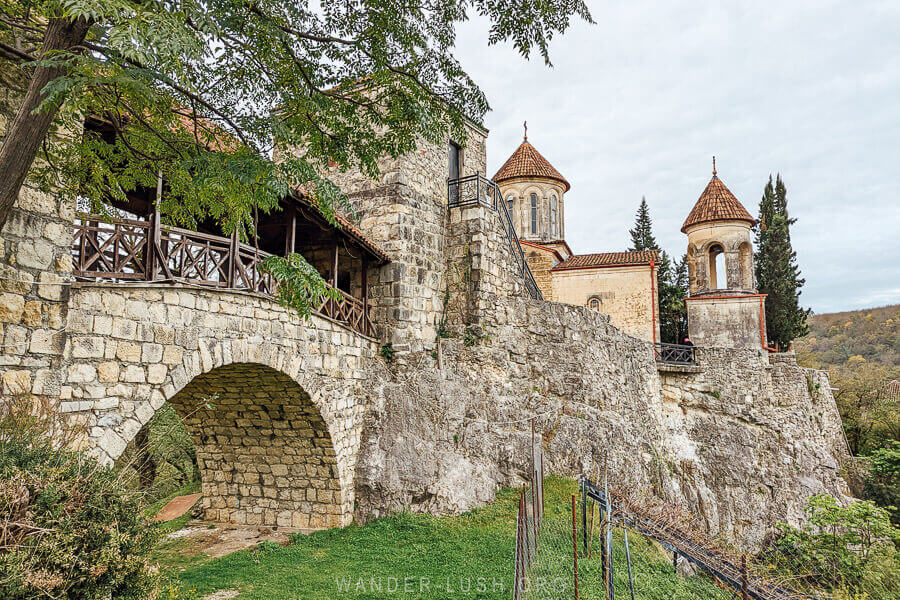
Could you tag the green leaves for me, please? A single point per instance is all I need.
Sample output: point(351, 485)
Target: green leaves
point(211, 95)
point(300, 286)
point(838, 547)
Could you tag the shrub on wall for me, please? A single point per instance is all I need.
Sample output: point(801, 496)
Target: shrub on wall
point(69, 528)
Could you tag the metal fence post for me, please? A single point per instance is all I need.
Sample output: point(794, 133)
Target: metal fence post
point(584, 536)
point(574, 546)
point(628, 560)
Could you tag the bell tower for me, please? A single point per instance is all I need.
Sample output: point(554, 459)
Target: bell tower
point(534, 194)
point(724, 308)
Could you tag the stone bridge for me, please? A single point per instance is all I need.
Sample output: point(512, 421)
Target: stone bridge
point(274, 403)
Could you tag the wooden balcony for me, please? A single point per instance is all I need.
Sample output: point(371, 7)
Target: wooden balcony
point(137, 250)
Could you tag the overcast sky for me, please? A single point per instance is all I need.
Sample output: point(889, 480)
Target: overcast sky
point(638, 104)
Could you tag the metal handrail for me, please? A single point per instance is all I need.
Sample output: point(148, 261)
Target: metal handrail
point(487, 193)
point(675, 354)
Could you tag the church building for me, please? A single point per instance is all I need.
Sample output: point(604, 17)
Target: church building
point(620, 284)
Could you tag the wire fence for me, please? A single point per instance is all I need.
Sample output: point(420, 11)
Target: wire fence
point(587, 550)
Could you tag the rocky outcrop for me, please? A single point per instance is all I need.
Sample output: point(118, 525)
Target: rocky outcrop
point(741, 440)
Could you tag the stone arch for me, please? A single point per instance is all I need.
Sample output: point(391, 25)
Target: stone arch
point(716, 265)
point(745, 258)
point(264, 449)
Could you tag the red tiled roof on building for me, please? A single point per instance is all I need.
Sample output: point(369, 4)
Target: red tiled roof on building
point(717, 203)
point(346, 227)
point(608, 259)
point(526, 161)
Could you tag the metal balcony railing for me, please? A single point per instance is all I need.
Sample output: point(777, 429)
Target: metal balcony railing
point(675, 354)
point(474, 190)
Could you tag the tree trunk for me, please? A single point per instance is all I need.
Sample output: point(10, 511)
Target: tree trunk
point(145, 463)
point(28, 130)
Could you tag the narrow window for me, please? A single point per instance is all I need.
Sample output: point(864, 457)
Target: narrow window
point(455, 152)
point(534, 213)
point(510, 204)
point(594, 304)
point(716, 267)
point(554, 223)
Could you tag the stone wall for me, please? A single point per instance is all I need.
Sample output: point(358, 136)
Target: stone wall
point(626, 293)
point(740, 443)
point(405, 212)
point(545, 190)
point(483, 269)
point(279, 441)
point(540, 261)
point(727, 321)
point(35, 263)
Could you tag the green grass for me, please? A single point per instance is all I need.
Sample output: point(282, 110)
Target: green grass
point(417, 556)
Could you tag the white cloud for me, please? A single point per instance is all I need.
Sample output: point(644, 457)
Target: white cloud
point(637, 105)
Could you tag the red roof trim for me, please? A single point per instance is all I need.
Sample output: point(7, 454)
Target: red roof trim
point(560, 267)
point(608, 259)
point(545, 248)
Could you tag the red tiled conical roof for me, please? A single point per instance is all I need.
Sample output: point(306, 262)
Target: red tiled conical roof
point(528, 162)
point(717, 203)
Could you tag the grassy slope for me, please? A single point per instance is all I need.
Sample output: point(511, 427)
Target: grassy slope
point(451, 553)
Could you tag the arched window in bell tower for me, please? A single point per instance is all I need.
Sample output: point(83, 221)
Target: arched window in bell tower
point(717, 267)
point(533, 213)
point(554, 221)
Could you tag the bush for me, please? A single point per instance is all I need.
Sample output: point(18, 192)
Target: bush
point(69, 528)
point(883, 483)
point(850, 551)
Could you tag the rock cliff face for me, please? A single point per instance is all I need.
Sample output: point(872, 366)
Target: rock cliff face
point(741, 440)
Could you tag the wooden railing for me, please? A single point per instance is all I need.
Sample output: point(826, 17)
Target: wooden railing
point(130, 250)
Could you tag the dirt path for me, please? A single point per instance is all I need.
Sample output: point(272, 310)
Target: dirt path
point(218, 540)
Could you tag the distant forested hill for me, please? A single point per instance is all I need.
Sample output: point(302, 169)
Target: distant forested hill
point(872, 334)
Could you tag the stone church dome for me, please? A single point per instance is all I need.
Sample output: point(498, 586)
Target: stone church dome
point(527, 162)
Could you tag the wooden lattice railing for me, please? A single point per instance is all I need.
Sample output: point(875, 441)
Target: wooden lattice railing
point(131, 250)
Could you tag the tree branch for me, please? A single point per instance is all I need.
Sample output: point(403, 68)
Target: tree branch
point(14, 54)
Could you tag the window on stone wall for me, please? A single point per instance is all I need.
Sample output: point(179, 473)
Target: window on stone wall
point(554, 221)
point(455, 161)
point(534, 213)
point(595, 303)
point(510, 203)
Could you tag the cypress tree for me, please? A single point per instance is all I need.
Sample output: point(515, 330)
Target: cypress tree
point(777, 272)
point(642, 234)
point(671, 278)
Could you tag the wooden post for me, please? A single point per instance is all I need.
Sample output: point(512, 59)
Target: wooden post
point(575, 546)
point(290, 237)
point(584, 536)
point(366, 324)
point(744, 594)
point(233, 259)
point(527, 532)
point(334, 270)
point(151, 269)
